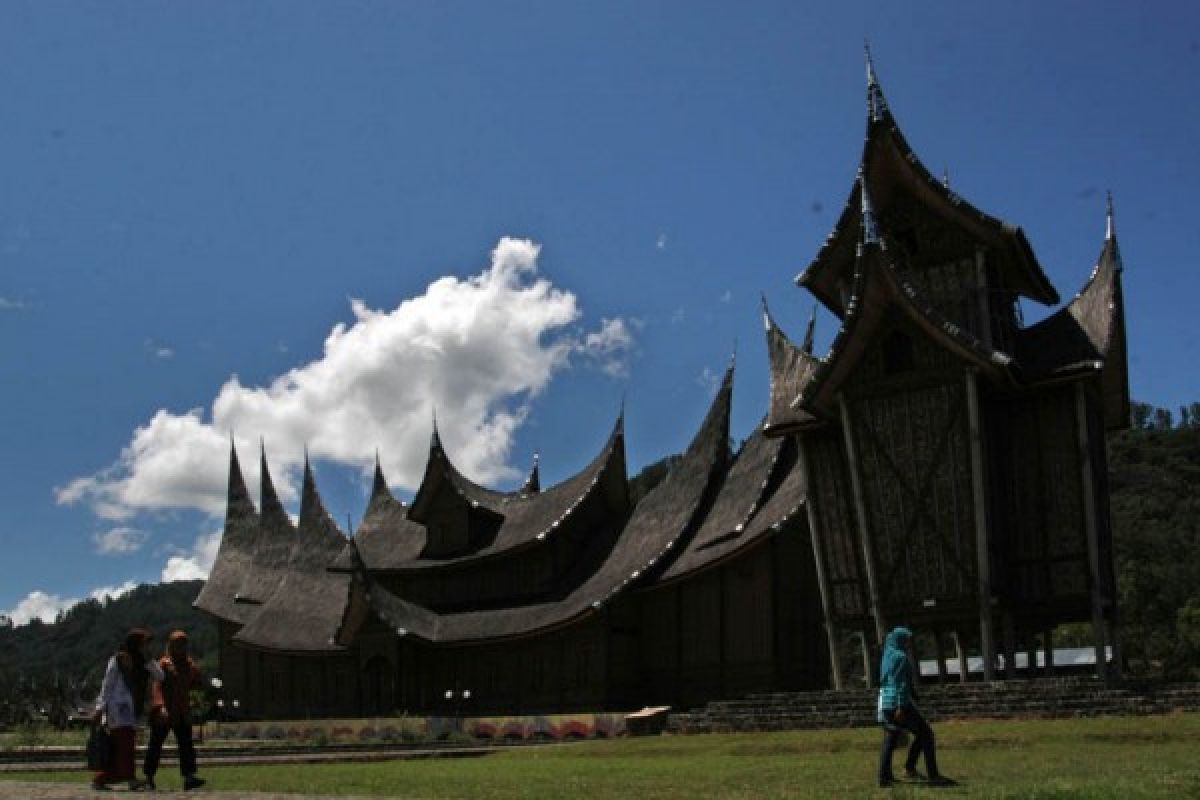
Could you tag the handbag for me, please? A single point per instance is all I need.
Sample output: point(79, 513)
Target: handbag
point(99, 748)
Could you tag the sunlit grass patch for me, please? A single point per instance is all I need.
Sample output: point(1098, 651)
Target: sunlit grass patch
point(1111, 758)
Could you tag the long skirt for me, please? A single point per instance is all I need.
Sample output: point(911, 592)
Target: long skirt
point(121, 767)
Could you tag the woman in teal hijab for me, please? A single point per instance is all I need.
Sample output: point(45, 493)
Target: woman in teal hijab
point(898, 712)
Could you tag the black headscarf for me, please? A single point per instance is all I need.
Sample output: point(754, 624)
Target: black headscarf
point(137, 678)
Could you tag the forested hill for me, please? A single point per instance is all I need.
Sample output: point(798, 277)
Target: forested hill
point(67, 657)
point(1155, 483)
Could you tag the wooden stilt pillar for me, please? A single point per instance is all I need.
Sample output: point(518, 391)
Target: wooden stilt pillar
point(817, 537)
point(939, 653)
point(860, 513)
point(870, 659)
point(1117, 668)
point(961, 655)
point(1090, 526)
point(1010, 647)
point(987, 645)
point(1048, 643)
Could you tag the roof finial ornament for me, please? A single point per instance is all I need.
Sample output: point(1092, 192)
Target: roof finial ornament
point(766, 312)
point(876, 105)
point(435, 439)
point(945, 177)
point(1110, 231)
point(809, 333)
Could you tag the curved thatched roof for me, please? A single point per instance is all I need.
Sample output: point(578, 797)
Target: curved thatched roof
point(663, 520)
point(234, 554)
point(386, 538)
point(389, 539)
point(791, 369)
point(272, 545)
point(888, 163)
point(747, 487)
point(304, 612)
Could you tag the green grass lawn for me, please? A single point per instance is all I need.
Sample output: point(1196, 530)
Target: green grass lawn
point(1115, 757)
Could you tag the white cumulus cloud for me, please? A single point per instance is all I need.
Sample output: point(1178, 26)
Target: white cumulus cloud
point(196, 564)
point(475, 349)
point(119, 540)
point(609, 346)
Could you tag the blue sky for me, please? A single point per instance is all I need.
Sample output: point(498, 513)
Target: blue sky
point(520, 213)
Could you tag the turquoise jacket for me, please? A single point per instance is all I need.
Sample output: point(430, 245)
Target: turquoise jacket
point(895, 672)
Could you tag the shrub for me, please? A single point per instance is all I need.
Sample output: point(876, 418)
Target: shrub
point(31, 734)
point(275, 732)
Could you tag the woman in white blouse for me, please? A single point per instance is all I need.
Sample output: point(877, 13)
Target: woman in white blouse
point(121, 703)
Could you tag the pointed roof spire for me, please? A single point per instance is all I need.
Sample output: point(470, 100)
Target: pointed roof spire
point(533, 484)
point(238, 502)
point(435, 440)
point(1110, 235)
point(311, 508)
point(1110, 232)
point(268, 500)
point(379, 484)
point(876, 104)
point(809, 333)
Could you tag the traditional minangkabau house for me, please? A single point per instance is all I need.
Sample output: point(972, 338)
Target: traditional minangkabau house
point(942, 466)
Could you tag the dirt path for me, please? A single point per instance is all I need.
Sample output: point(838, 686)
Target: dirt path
point(24, 790)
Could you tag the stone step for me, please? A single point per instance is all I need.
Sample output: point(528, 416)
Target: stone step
point(1058, 697)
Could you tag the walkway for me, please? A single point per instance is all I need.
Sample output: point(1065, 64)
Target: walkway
point(23, 790)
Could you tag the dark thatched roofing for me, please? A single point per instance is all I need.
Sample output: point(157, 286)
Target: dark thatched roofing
point(888, 161)
point(661, 521)
point(386, 538)
point(879, 288)
point(235, 552)
point(747, 487)
point(304, 612)
point(1078, 335)
point(791, 369)
point(778, 508)
point(272, 546)
point(440, 476)
point(389, 539)
point(1087, 335)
